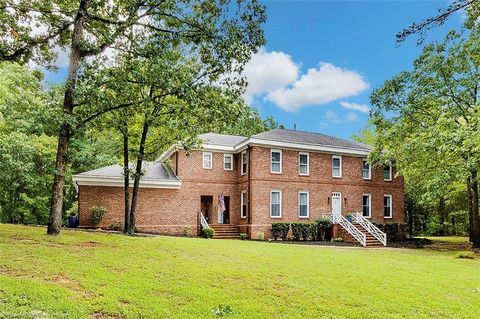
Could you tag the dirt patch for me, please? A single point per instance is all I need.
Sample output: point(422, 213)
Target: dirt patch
point(17, 273)
point(434, 245)
point(22, 240)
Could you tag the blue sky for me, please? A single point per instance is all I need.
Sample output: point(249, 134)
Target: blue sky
point(323, 58)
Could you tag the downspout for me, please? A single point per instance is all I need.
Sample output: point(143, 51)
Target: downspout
point(176, 163)
point(249, 215)
point(78, 204)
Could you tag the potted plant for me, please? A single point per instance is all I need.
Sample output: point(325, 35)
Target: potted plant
point(72, 220)
point(349, 217)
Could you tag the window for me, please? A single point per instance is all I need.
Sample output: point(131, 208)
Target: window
point(387, 173)
point(366, 171)
point(244, 162)
point(228, 162)
point(275, 204)
point(303, 162)
point(303, 205)
point(207, 160)
point(366, 206)
point(276, 161)
point(387, 206)
point(243, 203)
point(336, 166)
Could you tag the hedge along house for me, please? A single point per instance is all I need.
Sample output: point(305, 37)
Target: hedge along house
point(238, 184)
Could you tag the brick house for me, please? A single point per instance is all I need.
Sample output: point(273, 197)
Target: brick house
point(279, 175)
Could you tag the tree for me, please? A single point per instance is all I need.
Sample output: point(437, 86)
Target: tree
point(222, 34)
point(427, 120)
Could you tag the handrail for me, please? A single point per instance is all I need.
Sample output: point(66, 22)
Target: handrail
point(337, 218)
point(203, 221)
point(371, 228)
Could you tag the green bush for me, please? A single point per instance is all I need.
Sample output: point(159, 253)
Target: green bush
point(243, 236)
point(394, 231)
point(313, 231)
point(338, 240)
point(186, 230)
point(116, 225)
point(97, 213)
point(466, 255)
point(280, 230)
point(260, 235)
point(324, 226)
point(208, 232)
point(297, 230)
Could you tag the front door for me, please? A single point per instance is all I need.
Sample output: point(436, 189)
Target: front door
point(336, 203)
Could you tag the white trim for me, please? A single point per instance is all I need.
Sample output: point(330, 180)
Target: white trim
point(308, 204)
point(271, 161)
point(243, 214)
point(391, 177)
point(243, 162)
point(203, 160)
point(340, 158)
point(308, 163)
point(225, 155)
point(391, 206)
point(119, 182)
point(280, 199)
point(369, 170)
point(339, 196)
point(369, 205)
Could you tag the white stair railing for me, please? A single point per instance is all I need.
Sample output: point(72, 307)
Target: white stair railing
point(203, 221)
point(371, 228)
point(337, 218)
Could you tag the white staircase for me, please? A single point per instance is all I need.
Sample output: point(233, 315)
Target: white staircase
point(361, 229)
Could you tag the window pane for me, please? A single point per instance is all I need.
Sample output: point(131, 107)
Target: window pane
point(303, 169)
point(366, 206)
point(386, 172)
point(303, 210)
point(303, 199)
point(275, 167)
point(303, 159)
point(336, 162)
point(336, 171)
point(275, 210)
point(275, 157)
point(275, 197)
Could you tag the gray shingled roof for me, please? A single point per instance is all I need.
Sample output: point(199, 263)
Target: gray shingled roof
point(310, 138)
point(152, 170)
point(222, 139)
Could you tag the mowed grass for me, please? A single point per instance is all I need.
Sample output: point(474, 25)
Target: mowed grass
point(448, 239)
point(93, 275)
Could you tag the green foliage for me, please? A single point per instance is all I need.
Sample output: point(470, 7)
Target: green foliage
point(97, 213)
point(243, 236)
point(303, 230)
point(116, 225)
point(208, 233)
point(280, 230)
point(324, 226)
point(338, 240)
point(222, 311)
point(186, 230)
point(394, 231)
point(466, 255)
point(313, 231)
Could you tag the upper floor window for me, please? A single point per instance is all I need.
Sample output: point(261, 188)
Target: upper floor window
point(275, 204)
point(387, 206)
point(243, 205)
point(303, 205)
point(228, 162)
point(244, 162)
point(303, 164)
point(336, 166)
point(387, 173)
point(276, 161)
point(207, 160)
point(366, 170)
point(367, 205)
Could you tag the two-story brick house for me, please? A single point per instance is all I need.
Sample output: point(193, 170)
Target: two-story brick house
point(280, 175)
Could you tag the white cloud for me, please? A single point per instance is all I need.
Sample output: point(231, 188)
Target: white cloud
point(319, 86)
point(330, 117)
point(355, 106)
point(269, 71)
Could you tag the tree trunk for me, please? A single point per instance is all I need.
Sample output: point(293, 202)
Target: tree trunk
point(410, 207)
point(55, 219)
point(475, 213)
point(442, 212)
point(470, 210)
point(126, 179)
point(137, 175)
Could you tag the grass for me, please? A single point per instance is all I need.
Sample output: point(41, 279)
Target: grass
point(448, 239)
point(92, 275)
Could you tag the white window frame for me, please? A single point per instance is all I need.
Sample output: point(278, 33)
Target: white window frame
point(231, 161)
point(369, 170)
point(243, 199)
point(271, 161)
point(308, 204)
point(391, 206)
point(308, 163)
point(242, 162)
point(211, 160)
point(280, 199)
point(341, 164)
point(369, 205)
point(391, 177)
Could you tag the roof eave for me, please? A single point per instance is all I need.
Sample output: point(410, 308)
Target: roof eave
point(82, 180)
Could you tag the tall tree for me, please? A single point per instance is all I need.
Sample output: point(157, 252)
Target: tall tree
point(428, 119)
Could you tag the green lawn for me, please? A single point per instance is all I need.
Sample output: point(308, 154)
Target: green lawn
point(91, 275)
point(448, 239)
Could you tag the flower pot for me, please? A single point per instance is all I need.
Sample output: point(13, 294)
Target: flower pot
point(72, 221)
point(350, 218)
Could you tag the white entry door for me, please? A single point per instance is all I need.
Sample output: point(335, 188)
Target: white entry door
point(220, 214)
point(336, 203)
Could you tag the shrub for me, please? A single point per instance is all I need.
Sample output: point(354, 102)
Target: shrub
point(208, 232)
point(186, 230)
point(243, 236)
point(324, 225)
point(394, 231)
point(280, 230)
point(313, 231)
point(466, 255)
point(97, 213)
point(297, 230)
point(261, 235)
point(338, 240)
point(116, 225)
point(73, 211)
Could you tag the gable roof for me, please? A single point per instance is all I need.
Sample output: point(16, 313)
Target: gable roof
point(222, 139)
point(310, 138)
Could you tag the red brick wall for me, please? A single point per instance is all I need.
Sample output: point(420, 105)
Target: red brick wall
point(167, 211)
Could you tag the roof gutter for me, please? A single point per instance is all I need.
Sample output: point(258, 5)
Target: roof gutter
point(80, 180)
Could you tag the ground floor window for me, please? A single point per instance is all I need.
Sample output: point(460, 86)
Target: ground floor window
point(243, 207)
point(303, 205)
point(275, 204)
point(387, 206)
point(366, 206)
